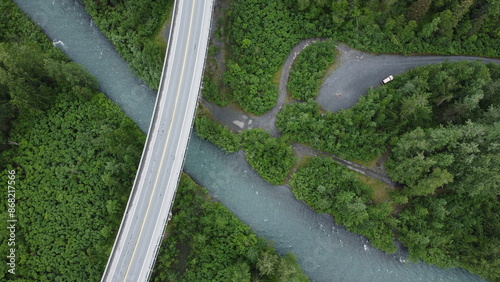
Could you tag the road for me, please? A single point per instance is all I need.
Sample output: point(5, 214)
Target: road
point(151, 199)
point(357, 71)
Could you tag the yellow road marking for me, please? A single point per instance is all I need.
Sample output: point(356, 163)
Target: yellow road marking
point(166, 143)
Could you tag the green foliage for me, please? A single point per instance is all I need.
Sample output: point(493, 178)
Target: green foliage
point(213, 87)
point(214, 132)
point(453, 230)
point(354, 133)
point(212, 92)
point(75, 164)
point(23, 49)
point(423, 26)
point(418, 9)
point(261, 34)
point(465, 157)
point(132, 27)
point(206, 242)
point(462, 162)
point(330, 188)
point(16, 27)
point(451, 217)
point(422, 97)
point(272, 158)
point(309, 69)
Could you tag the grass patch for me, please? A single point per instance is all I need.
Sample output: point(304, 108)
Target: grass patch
point(332, 67)
point(304, 159)
point(276, 76)
point(158, 38)
point(380, 189)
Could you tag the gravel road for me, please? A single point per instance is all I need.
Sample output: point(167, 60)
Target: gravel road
point(359, 71)
point(236, 120)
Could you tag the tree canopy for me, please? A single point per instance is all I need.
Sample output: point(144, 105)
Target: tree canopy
point(208, 243)
point(309, 69)
point(441, 126)
point(133, 27)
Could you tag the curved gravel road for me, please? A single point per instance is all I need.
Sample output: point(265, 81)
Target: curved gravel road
point(236, 120)
point(359, 71)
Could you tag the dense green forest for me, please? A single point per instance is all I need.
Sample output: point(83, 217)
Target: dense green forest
point(133, 26)
point(309, 68)
point(260, 34)
point(423, 97)
point(422, 26)
point(74, 154)
point(206, 242)
point(223, 137)
point(272, 158)
point(451, 218)
point(441, 123)
point(331, 188)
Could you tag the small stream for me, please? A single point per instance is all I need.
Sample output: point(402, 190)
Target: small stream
point(326, 251)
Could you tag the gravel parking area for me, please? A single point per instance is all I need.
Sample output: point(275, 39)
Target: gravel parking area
point(357, 71)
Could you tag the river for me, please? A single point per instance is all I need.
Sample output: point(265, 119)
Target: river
point(326, 251)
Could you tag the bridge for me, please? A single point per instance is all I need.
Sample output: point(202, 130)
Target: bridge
point(151, 199)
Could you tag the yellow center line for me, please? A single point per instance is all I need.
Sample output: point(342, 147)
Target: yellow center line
point(166, 143)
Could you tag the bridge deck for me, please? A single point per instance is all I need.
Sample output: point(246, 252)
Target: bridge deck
point(153, 193)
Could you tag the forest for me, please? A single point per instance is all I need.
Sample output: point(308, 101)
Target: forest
point(16, 30)
point(74, 153)
point(442, 123)
point(272, 158)
point(211, 130)
point(206, 242)
point(260, 34)
point(331, 188)
point(309, 68)
point(133, 28)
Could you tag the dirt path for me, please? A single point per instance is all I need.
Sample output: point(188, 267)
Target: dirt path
point(236, 120)
point(357, 72)
point(303, 150)
point(285, 74)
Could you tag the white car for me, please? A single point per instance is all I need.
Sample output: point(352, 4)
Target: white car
point(387, 79)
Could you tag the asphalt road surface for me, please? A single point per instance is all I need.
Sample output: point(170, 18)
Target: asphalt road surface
point(151, 199)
